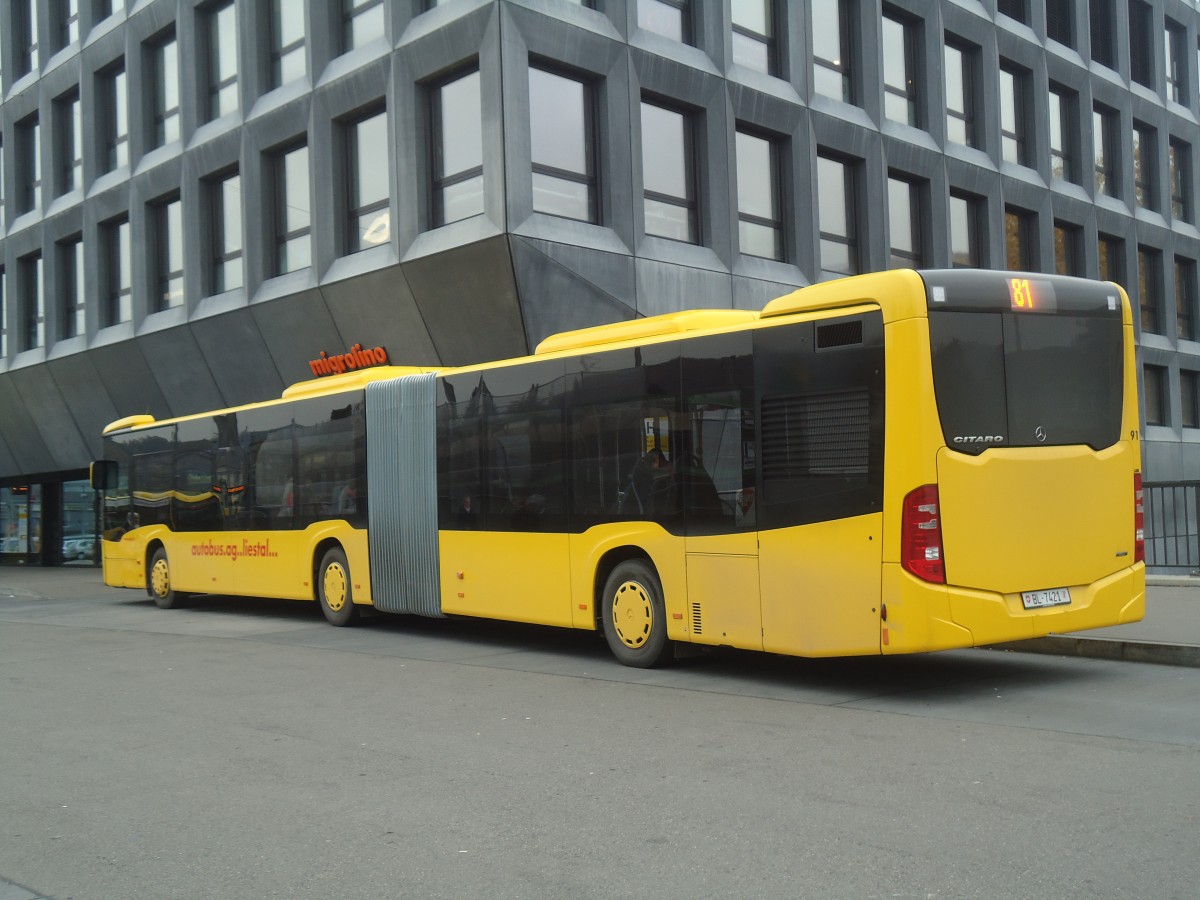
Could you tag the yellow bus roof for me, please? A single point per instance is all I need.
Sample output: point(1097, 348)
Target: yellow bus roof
point(330, 384)
point(640, 329)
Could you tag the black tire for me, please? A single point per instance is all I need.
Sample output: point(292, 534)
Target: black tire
point(335, 591)
point(158, 582)
point(633, 616)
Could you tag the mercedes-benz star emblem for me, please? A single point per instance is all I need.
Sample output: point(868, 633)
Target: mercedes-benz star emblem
point(1040, 434)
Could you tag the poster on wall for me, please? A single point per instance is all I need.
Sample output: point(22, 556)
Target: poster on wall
point(14, 521)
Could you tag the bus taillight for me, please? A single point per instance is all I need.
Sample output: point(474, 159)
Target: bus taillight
point(921, 535)
point(1139, 520)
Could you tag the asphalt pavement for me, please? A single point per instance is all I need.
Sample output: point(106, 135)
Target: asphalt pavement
point(244, 749)
point(1168, 635)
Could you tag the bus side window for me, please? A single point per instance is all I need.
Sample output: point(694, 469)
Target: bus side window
point(152, 478)
point(459, 497)
point(273, 485)
point(623, 462)
point(719, 469)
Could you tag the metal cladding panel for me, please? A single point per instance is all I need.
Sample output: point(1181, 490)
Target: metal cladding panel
point(402, 513)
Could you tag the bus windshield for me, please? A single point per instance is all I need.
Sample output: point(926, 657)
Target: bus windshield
point(1038, 364)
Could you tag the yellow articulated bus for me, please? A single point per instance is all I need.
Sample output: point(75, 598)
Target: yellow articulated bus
point(891, 463)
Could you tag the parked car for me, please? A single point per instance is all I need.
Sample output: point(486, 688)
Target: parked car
point(79, 548)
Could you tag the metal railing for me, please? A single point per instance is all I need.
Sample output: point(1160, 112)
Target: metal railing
point(1172, 530)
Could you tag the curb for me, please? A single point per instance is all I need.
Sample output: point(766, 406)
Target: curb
point(1172, 581)
point(1106, 648)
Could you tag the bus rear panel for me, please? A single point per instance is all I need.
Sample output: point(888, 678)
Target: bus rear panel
point(1026, 519)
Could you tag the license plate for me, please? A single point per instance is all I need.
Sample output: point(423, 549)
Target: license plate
point(1052, 597)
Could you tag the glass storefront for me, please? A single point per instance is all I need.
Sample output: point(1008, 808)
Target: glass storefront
point(78, 523)
point(48, 524)
point(21, 522)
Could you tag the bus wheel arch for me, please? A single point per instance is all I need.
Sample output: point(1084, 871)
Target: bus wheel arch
point(332, 584)
point(158, 577)
point(632, 610)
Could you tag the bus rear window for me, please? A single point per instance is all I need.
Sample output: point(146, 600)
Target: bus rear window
point(1012, 379)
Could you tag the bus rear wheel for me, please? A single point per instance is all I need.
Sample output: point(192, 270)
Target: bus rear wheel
point(158, 582)
point(634, 617)
point(334, 588)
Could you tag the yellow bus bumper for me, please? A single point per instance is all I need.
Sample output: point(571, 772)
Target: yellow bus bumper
point(923, 616)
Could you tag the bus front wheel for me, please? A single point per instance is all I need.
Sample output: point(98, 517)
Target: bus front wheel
point(158, 582)
point(633, 615)
point(333, 588)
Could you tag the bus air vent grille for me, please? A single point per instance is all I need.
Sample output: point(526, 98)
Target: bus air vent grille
point(824, 435)
point(839, 334)
point(697, 620)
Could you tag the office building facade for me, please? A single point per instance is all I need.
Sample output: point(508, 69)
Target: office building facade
point(199, 199)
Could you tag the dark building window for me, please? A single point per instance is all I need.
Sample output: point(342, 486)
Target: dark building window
point(1068, 249)
point(71, 287)
point(1020, 226)
point(368, 219)
point(670, 18)
point(105, 8)
point(25, 31)
point(562, 146)
point(223, 59)
point(1104, 140)
point(1154, 381)
point(292, 210)
point(1063, 157)
point(33, 302)
point(669, 174)
point(1141, 42)
point(1060, 21)
point(1186, 298)
point(164, 73)
point(166, 217)
point(1101, 15)
point(113, 108)
point(66, 15)
point(1145, 155)
point(118, 271)
point(1189, 398)
point(69, 126)
point(225, 236)
point(899, 70)
point(3, 314)
point(362, 22)
point(905, 215)
point(1014, 9)
point(754, 30)
point(964, 229)
point(1014, 105)
point(1180, 172)
point(833, 60)
point(29, 165)
point(457, 149)
point(837, 209)
point(287, 43)
point(1150, 294)
point(961, 62)
point(1111, 252)
point(1176, 61)
point(760, 210)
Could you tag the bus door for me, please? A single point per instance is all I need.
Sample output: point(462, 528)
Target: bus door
point(715, 467)
point(821, 393)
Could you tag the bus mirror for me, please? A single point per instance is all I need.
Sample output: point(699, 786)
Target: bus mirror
point(103, 474)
